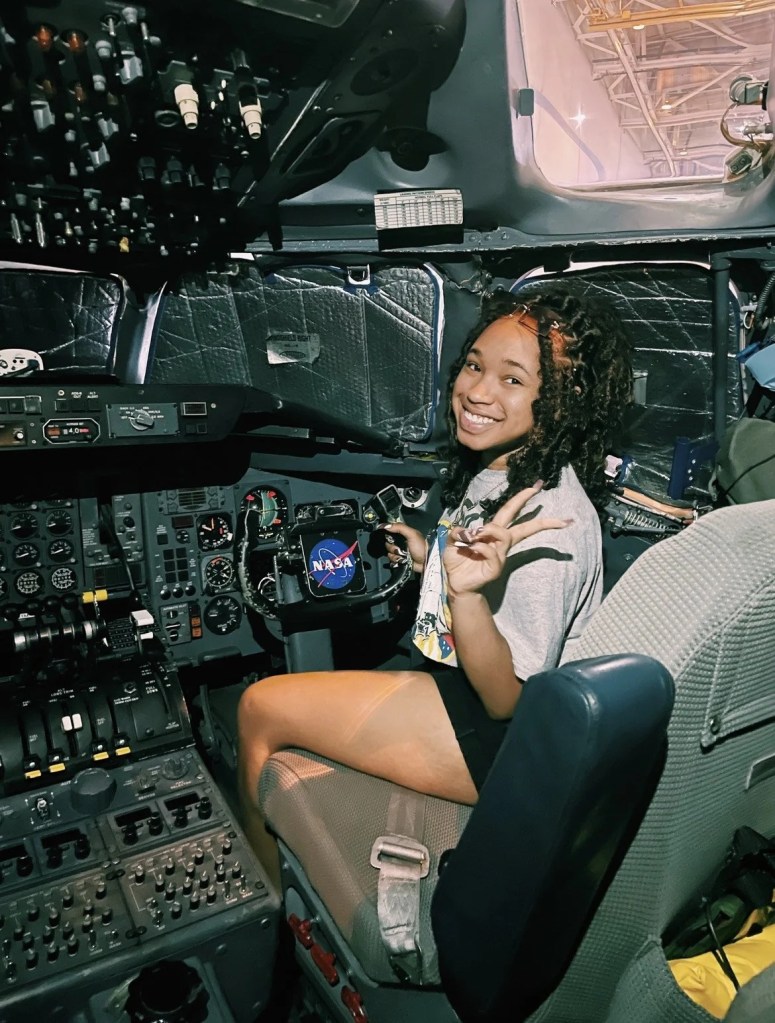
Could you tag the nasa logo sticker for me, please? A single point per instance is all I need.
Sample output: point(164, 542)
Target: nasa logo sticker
point(331, 563)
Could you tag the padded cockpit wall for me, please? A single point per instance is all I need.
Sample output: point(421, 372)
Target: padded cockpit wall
point(70, 320)
point(668, 311)
point(361, 344)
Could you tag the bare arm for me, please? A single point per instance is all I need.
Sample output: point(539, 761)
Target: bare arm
point(481, 649)
point(484, 654)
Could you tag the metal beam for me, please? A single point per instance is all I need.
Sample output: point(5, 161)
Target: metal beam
point(601, 20)
point(753, 55)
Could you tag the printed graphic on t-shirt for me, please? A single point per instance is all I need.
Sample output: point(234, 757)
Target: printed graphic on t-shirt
point(432, 633)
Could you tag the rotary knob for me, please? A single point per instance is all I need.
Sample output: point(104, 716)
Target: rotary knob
point(92, 791)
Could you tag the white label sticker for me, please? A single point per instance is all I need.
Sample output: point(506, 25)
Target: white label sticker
point(291, 346)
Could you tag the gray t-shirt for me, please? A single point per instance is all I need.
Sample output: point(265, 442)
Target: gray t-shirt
point(551, 584)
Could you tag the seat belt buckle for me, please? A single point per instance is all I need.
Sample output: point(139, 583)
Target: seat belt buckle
point(405, 857)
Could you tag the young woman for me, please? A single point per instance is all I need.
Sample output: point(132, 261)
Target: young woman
point(512, 573)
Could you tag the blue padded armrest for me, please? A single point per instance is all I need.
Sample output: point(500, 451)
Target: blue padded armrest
point(566, 793)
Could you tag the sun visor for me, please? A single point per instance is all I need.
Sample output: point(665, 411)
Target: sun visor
point(360, 343)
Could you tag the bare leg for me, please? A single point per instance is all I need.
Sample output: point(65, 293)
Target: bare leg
point(391, 724)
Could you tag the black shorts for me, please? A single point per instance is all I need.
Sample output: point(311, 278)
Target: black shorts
point(478, 735)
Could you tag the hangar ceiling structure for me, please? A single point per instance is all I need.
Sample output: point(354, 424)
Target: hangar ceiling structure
point(668, 67)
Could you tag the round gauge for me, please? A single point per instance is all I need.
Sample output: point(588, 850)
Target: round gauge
point(58, 522)
point(24, 525)
point(63, 578)
point(214, 532)
point(223, 615)
point(25, 554)
point(60, 550)
point(29, 583)
point(219, 573)
point(272, 509)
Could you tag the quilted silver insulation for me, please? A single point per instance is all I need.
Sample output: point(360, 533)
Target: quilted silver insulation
point(667, 310)
point(366, 353)
point(70, 320)
point(702, 602)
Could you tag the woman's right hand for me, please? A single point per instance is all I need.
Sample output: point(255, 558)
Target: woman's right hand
point(415, 544)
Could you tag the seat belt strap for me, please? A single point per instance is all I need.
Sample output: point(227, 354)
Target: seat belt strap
point(402, 861)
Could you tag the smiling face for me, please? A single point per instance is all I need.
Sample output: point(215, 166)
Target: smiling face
point(493, 395)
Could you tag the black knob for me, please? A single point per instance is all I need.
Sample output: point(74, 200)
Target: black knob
point(107, 915)
point(28, 941)
point(33, 911)
point(24, 865)
point(155, 823)
point(53, 916)
point(72, 945)
point(48, 935)
point(53, 953)
point(205, 809)
point(82, 847)
point(54, 857)
point(67, 898)
point(31, 959)
point(92, 791)
point(130, 834)
point(181, 818)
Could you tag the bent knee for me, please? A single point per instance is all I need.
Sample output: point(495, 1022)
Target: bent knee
point(260, 708)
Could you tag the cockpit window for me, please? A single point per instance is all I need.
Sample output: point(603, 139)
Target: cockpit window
point(639, 91)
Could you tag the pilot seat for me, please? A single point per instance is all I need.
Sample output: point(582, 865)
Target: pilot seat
point(547, 900)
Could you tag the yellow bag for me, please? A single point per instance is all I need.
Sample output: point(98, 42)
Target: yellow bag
point(704, 981)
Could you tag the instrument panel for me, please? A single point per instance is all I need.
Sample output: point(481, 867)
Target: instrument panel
point(177, 549)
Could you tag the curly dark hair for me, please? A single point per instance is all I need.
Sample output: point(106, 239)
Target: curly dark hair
point(580, 404)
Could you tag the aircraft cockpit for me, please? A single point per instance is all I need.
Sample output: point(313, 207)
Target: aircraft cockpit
point(241, 246)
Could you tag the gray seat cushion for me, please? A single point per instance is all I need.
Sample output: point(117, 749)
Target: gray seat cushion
point(330, 816)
